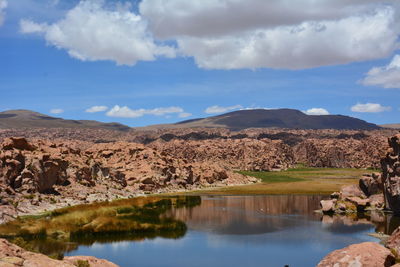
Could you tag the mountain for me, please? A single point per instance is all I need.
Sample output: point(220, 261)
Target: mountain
point(391, 125)
point(278, 118)
point(29, 119)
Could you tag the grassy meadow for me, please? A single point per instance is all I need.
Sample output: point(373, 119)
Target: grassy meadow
point(298, 180)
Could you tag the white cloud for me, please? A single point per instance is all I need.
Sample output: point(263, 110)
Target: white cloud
point(126, 112)
point(387, 76)
point(218, 109)
point(3, 5)
point(228, 34)
point(316, 111)
point(174, 18)
point(184, 115)
point(93, 31)
point(369, 107)
point(307, 45)
point(96, 109)
point(56, 111)
point(275, 34)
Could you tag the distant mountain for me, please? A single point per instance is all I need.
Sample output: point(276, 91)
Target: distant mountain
point(277, 118)
point(391, 125)
point(29, 119)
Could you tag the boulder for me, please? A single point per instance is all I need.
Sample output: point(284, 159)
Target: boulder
point(351, 191)
point(328, 205)
point(360, 203)
point(358, 255)
point(371, 185)
point(17, 143)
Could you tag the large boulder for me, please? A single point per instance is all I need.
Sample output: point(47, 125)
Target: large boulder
point(351, 191)
point(358, 255)
point(371, 184)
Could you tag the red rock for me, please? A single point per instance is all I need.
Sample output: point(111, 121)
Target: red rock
point(363, 254)
point(17, 143)
point(13, 256)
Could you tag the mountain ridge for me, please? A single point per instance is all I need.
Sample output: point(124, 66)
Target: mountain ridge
point(22, 118)
point(279, 118)
point(235, 120)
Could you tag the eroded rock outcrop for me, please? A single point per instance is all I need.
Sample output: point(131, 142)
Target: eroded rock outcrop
point(239, 154)
point(14, 256)
point(341, 153)
point(391, 175)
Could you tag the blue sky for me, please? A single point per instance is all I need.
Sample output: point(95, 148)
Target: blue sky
point(171, 74)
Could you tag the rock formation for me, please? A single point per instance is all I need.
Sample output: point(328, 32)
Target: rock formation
point(316, 148)
point(14, 256)
point(391, 175)
point(39, 175)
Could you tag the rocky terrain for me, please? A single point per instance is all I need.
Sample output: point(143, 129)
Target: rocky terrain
point(317, 148)
point(51, 168)
point(38, 175)
point(14, 256)
point(379, 191)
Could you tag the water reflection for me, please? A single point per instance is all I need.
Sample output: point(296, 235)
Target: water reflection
point(234, 231)
point(248, 215)
point(251, 231)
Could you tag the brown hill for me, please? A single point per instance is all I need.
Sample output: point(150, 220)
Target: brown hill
point(29, 119)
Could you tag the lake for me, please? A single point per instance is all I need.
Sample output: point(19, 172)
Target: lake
point(245, 231)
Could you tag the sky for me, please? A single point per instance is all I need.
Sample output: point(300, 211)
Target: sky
point(163, 61)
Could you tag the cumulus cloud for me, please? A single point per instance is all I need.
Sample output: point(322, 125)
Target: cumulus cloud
point(3, 5)
point(387, 76)
point(229, 34)
point(370, 108)
point(93, 30)
point(184, 115)
point(310, 34)
point(126, 112)
point(219, 109)
point(316, 111)
point(96, 109)
point(56, 111)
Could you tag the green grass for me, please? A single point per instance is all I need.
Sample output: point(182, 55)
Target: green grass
point(137, 218)
point(298, 180)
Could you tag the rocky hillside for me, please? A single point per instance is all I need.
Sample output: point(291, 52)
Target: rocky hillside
point(40, 175)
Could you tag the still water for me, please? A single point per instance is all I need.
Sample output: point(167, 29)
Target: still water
point(245, 231)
